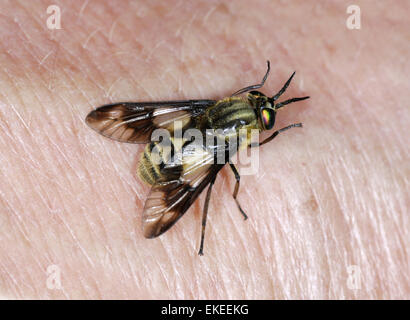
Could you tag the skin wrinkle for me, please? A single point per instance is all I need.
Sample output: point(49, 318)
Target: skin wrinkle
point(244, 261)
point(133, 272)
point(97, 239)
point(143, 47)
point(192, 284)
point(239, 266)
point(291, 216)
point(163, 274)
point(117, 170)
point(80, 14)
point(108, 93)
point(175, 8)
point(33, 43)
point(382, 231)
point(56, 172)
point(77, 242)
point(340, 210)
point(219, 282)
point(64, 158)
point(266, 262)
point(20, 226)
point(328, 250)
point(52, 69)
point(92, 34)
point(202, 290)
point(276, 223)
point(44, 59)
point(250, 261)
point(8, 277)
point(324, 261)
point(73, 56)
point(103, 224)
point(111, 32)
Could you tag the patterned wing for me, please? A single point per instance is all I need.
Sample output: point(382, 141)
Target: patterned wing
point(134, 122)
point(169, 199)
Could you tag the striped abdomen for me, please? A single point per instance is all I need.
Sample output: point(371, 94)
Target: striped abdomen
point(160, 161)
point(229, 116)
point(226, 118)
point(230, 113)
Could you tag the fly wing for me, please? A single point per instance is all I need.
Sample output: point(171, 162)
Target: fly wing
point(134, 122)
point(169, 199)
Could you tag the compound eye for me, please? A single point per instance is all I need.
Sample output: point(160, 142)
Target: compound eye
point(268, 118)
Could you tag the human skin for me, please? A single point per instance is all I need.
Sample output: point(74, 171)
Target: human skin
point(327, 199)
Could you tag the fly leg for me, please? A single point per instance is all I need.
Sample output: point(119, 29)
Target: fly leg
point(270, 138)
point(255, 86)
point(204, 215)
point(235, 193)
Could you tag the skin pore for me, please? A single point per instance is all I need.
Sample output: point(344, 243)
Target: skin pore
point(328, 207)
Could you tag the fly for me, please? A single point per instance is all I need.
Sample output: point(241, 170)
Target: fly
point(176, 185)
